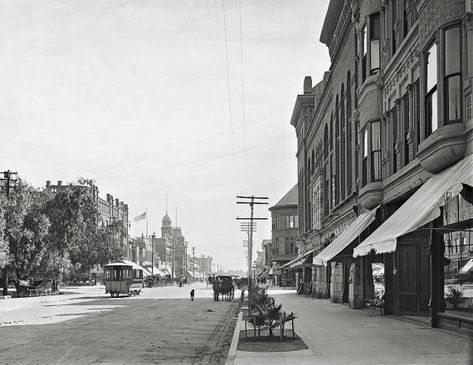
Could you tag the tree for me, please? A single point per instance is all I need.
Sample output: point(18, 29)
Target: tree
point(109, 242)
point(73, 234)
point(26, 228)
point(4, 255)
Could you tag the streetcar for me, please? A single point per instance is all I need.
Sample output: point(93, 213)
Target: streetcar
point(123, 277)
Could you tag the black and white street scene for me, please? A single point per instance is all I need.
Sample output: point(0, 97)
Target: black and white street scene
point(236, 182)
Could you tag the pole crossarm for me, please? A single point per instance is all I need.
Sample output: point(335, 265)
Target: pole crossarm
point(251, 197)
point(259, 219)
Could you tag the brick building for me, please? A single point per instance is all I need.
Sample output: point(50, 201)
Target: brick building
point(384, 146)
point(284, 232)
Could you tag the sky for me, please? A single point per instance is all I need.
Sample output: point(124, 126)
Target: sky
point(189, 99)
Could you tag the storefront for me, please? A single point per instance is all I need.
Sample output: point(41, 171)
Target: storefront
point(412, 241)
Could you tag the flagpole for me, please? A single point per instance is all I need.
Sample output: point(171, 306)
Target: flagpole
point(146, 222)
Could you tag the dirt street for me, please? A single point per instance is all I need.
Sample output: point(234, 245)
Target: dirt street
point(162, 326)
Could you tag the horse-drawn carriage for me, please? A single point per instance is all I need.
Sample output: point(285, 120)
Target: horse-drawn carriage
point(123, 277)
point(222, 285)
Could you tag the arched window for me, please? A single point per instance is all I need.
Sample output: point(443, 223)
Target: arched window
point(349, 134)
point(348, 97)
point(337, 150)
point(331, 133)
point(342, 142)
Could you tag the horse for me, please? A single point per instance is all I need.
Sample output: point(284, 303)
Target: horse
point(227, 289)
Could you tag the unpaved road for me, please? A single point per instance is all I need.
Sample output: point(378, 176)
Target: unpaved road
point(160, 327)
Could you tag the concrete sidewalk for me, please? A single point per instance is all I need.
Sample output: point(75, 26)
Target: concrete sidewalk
point(336, 334)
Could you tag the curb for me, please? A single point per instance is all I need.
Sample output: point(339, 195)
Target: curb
point(236, 336)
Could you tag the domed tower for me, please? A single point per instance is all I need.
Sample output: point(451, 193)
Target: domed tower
point(166, 229)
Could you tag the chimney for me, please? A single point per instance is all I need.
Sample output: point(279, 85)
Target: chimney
point(48, 183)
point(59, 182)
point(117, 202)
point(108, 198)
point(307, 85)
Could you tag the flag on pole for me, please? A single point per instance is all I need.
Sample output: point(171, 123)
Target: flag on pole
point(140, 217)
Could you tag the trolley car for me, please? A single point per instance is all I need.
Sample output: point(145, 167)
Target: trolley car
point(123, 277)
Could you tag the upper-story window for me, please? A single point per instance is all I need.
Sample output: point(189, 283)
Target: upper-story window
point(431, 120)
point(375, 150)
point(374, 43)
point(364, 52)
point(364, 138)
point(370, 46)
point(452, 78)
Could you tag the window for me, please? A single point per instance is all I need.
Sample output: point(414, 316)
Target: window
point(431, 95)
point(337, 151)
point(364, 50)
point(342, 143)
point(348, 134)
point(416, 91)
point(296, 221)
point(364, 137)
point(469, 45)
point(393, 25)
point(375, 151)
point(374, 43)
point(394, 126)
point(405, 125)
point(357, 152)
point(452, 79)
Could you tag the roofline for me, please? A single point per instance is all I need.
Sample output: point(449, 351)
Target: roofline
point(329, 22)
point(301, 100)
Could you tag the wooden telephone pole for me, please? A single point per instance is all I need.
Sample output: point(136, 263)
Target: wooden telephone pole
point(251, 201)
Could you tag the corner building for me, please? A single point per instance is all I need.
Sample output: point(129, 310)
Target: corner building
point(385, 155)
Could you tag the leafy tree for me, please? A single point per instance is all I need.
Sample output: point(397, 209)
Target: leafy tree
point(4, 256)
point(109, 242)
point(26, 228)
point(73, 234)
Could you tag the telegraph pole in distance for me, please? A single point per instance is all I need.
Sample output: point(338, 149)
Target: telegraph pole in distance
point(251, 201)
point(193, 262)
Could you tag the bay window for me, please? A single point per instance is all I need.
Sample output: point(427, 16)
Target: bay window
point(452, 78)
point(375, 151)
point(374, 43)
point(431, 121)
point(364, 138)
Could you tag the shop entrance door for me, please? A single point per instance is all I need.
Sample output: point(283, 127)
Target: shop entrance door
point(413, 277)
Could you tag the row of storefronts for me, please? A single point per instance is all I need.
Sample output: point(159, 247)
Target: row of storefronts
point(385, 163)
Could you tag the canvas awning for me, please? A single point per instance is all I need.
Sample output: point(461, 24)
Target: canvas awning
point(467, 267)
point(297, 261)
point(348, 235)
point(420, 209)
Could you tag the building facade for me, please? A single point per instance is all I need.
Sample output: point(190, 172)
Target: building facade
point(172, 249)
point(284, 232)
point(391, 119)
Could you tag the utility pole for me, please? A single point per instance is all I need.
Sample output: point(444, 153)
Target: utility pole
point(251, 201)
point(153, 236)
point(8, 182)
point(193, 262)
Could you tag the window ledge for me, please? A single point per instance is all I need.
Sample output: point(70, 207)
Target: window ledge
point(442, 148)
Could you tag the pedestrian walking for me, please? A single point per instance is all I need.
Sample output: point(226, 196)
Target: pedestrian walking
point(192, 295)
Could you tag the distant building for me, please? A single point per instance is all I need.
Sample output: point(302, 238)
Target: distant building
point(284, 232)
point(172, 249)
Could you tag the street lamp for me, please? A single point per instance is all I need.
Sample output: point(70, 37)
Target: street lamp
point(153, 236)
point(8, 182)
